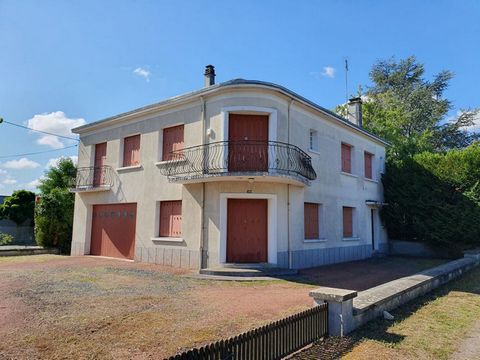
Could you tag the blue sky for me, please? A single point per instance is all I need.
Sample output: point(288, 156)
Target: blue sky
point(63, 63)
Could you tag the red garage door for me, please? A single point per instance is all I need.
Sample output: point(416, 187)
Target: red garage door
point(113, 230)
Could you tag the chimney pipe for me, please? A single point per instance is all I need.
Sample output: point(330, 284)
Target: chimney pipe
point(209, 75)
point(354, 108)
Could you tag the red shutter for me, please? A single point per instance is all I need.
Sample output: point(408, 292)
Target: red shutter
point(347, 222)
point(346, 158)
point(172, 141)
point(368, 165)
point(131, 151)
point(311, 221)
point(171, 218)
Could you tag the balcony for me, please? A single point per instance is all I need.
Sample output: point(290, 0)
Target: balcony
point(93, 178)
point(273, 160)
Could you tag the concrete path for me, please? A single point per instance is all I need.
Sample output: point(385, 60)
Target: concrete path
point(469, 349)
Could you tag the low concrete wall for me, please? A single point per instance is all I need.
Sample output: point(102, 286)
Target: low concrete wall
point(410, 248)
point(354, 310)
point(16, 250)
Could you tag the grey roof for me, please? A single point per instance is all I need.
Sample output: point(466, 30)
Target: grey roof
point(233, 83)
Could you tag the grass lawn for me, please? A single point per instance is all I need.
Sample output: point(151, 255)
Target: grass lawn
point(431, 327)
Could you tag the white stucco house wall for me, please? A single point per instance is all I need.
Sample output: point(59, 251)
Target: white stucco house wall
point(237, 172)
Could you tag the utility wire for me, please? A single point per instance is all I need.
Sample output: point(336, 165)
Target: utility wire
point(36, 153)
point(40, 131)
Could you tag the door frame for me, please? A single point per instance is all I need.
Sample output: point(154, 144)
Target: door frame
point(252, 110)
point(271, 224)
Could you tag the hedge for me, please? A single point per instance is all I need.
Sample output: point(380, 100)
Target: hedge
point(435, 198)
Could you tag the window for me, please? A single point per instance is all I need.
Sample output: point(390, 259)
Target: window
point(347, 222)
point(368, 157)
point(172, 140)
point(313, 140)
point(131, 151)
point(346, 158)
point(171, 218)
point(312, 226)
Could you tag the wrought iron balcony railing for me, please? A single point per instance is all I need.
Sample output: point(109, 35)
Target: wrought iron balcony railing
point(93, 178)
point(239, 158)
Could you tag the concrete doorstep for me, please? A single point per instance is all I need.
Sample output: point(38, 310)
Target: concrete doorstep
point(347, 309)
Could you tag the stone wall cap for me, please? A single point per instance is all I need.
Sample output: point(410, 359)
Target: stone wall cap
point(332, 294)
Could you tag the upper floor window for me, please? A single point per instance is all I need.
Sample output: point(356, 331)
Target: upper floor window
point(172, 140)
point(313, 140)
point(346, 158)
point(131, 151)
point(368, 159)
point(171, 218)
point(311, 221)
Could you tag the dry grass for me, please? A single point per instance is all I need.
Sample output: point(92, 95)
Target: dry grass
point(85, 308)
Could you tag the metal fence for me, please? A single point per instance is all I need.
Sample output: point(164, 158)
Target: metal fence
point(273, 341)
point(93, 177)
point(238, 157)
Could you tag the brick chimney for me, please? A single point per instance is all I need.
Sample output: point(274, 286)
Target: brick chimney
point(209, 75)
point(354, 108)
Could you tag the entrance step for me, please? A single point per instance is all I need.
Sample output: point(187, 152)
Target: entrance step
point(248, 270)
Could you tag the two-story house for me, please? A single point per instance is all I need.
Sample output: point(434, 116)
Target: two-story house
point(238, 172)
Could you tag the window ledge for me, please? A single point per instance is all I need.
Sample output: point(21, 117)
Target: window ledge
point(129, 168)
point(313, 241)
point(348, 174)
point(165, 162)
point(371, 180)
point(354, 238)
point(313, 151)
point(168, 239)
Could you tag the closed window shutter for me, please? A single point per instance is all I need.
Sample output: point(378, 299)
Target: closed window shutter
point(346, 158)
point(172, 141)
point(171, 218)
point(347, 222)
point(368, 165)
point(131, 151)
point(311, 221)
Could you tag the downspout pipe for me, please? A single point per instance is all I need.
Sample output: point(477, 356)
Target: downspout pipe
point(203, 250)
point(289, 251)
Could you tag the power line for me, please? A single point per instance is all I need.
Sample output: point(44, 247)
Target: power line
point(38, 152)
point(40, 131)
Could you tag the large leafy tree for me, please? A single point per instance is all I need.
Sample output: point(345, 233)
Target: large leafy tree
point(18, 207)
point(411, 111)
point(54, 212)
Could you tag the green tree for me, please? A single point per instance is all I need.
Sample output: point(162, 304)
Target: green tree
point(54, 212)
point(60, 176)
point(18, 207)
point(410, 111)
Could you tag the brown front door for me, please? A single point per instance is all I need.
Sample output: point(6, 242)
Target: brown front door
point(113, 230)
point(247, 230)
point(100, 158)
point(248, 142)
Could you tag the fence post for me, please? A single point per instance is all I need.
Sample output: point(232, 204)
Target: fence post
point(340, 308)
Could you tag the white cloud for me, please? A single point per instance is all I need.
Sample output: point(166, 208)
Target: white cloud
point(9, 181)
point(57, 123)
point(33, 184)
point(22, 163)
point(476, 126)
point(3, 172)
point(142, 72)
point(54, 162)
point(328, 71)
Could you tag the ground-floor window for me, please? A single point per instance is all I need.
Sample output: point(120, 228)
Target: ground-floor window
point(311, 221)
point(171, 218)
point(348, 221)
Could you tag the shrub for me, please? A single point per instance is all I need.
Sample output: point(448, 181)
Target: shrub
point(54, 220)
point(5, 239)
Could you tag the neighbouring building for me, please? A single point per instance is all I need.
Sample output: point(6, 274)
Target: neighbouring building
point(238, 172)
